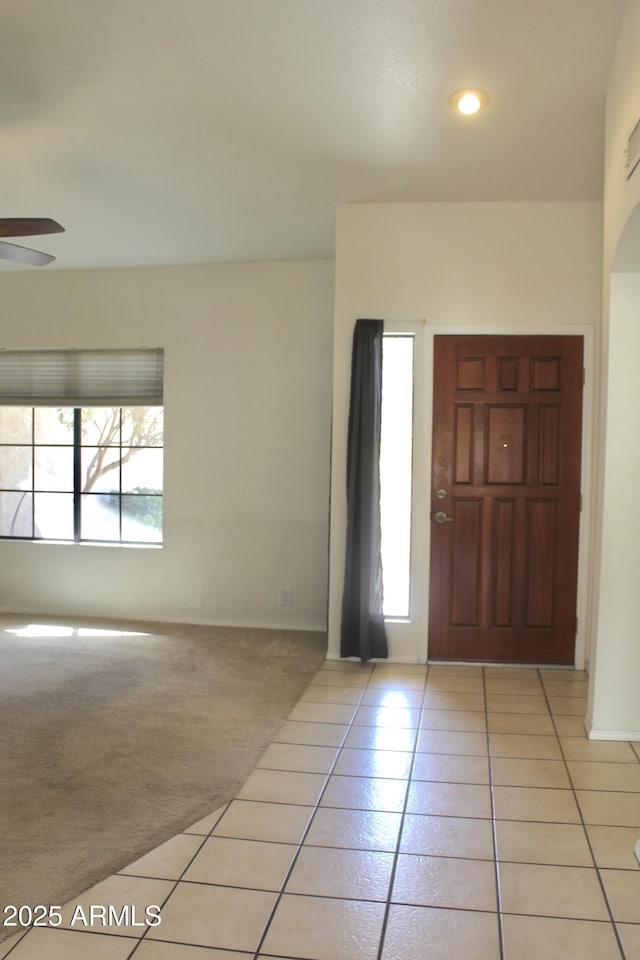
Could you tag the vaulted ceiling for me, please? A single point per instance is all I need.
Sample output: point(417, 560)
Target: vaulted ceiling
point(176, 131)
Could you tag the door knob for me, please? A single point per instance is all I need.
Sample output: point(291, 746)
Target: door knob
point(441, 517)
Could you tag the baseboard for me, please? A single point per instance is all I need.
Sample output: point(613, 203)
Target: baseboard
point(336, 656)
point(191, 621)
point(633, 735)
point(242, 624)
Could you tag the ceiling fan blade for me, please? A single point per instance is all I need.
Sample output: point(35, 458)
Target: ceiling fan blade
point(28, 226)
point(11, 251)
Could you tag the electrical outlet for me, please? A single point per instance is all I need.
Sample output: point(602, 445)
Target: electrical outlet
point(286, 597)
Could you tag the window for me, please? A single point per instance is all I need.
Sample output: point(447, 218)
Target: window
point(395, 472)
point(88, 470)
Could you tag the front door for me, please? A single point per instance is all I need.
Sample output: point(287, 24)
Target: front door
point(505, 498)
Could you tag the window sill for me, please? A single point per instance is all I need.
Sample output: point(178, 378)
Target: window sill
point(86, 543)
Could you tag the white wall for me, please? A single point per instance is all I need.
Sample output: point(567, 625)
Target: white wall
point(516, 266)
point(247, 424)
point(621, 196)
point(614, 704)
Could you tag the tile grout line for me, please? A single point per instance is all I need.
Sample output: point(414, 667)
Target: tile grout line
point(584, 827)
point(396, 854)
point(494, 828)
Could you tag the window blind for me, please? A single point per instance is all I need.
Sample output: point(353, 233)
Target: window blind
point(81, 378)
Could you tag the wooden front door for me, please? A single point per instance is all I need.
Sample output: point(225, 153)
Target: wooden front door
point(505, 498)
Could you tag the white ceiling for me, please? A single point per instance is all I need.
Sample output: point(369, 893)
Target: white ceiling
point(175, 131)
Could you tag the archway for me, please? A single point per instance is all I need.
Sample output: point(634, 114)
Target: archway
point(614, 706)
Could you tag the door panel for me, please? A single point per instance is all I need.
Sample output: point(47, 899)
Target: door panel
point(506, 498)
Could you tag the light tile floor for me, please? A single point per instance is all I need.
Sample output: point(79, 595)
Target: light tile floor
point(401, 813)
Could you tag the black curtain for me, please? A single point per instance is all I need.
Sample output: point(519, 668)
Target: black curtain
point(362, 632)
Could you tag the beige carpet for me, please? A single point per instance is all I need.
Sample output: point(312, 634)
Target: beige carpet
point(111, 743)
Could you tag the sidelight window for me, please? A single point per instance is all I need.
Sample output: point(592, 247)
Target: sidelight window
point(396, 472)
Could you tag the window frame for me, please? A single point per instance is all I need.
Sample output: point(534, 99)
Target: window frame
point(77, 447)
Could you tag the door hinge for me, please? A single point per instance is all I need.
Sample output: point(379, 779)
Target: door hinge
point(576, 629)
point(584, 376)
point(580, 503)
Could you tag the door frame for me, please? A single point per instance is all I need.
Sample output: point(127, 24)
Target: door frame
point(583, 612)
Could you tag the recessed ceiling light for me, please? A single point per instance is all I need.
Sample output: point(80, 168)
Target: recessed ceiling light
point(468, 101)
